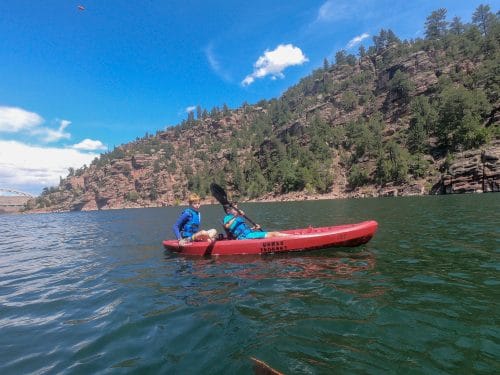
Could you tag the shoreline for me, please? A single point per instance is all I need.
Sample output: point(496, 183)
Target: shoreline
point(269, 198)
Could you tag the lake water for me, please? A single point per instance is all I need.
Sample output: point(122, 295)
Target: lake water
point(95, 292)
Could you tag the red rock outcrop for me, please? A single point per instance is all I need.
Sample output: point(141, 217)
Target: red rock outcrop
point(159, 170)
point(475, 171)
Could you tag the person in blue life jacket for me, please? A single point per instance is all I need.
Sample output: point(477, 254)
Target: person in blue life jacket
point(187, 226)
point(235, 224)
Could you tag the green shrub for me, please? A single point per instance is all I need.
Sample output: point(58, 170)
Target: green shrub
point(358, 176)
point(132, 196)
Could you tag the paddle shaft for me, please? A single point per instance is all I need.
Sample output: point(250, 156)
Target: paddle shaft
point(246, 217)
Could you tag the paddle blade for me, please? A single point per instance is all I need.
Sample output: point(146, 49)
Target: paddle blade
point(219, 193)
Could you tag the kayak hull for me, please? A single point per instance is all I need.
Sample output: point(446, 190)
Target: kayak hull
point(306, 239)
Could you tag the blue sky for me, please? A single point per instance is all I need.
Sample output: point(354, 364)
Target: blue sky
point(80, 77)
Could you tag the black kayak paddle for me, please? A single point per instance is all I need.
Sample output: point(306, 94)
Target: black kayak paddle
point(220, 194)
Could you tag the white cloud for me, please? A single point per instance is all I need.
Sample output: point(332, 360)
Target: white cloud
point(89, 145)
point(22, 165)
point(30, 168)
point(341, 10)
point(13, 119)
point(215, 64)
point(273, 63)
point(50, 135)
point(356, 40)
point(190, 108)
point(333, 10)
point(326, 11)
point(248, 80)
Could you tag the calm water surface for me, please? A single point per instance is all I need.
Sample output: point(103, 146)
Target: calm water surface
point(88, 293)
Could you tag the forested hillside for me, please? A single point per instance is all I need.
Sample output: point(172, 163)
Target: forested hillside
point(402, 117)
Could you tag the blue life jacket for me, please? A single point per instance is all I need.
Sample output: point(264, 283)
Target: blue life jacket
point(238, 227)
point(193, 224)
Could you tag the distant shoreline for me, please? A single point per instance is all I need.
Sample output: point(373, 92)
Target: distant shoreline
point(269, 198)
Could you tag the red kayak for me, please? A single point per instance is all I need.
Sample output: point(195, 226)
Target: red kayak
point(306, 239)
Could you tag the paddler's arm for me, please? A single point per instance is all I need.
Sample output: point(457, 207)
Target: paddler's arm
point(242, 213)
point(179, 224)
point(229, 222)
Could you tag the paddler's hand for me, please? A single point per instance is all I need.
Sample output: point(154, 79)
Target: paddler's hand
point(257, 227)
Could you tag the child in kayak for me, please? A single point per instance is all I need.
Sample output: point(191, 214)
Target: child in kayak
point(186, 228)
point(236, 225)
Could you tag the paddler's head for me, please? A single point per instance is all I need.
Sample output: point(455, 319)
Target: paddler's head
point(194, 200)
point(230, 210)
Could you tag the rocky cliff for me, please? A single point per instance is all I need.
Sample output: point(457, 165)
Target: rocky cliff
point(323, 112)
point(475, 171)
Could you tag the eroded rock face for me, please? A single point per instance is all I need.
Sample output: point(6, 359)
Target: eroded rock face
point(475, 171)
point(141, 160)
point(149, 174)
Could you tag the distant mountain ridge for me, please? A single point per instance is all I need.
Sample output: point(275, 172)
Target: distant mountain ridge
point(402, 118)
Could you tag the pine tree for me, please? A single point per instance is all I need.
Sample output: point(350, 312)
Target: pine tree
point(401, 86)
point(483, 18)
point(326, 64)
point(199, 113)
point(456, 26)
point(422, 123)
point(340, 58)
point(461, 114)
point(380, 41)
point(362, 51)
point(190, 118)
point(436, 25)
point(391, 38)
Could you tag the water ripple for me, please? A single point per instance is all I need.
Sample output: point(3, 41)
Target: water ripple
point(95, 293)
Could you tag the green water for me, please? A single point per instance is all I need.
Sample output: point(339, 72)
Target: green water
point(96, 293)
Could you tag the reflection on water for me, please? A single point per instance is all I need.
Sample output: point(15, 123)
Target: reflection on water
point(335, 265)
point(95, 292)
